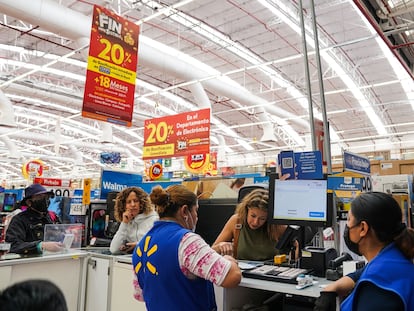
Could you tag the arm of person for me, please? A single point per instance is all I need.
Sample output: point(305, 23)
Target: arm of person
point(345, 284)
point(198, 258)
point(118, 239)
point(341, 287)
point(138, 295)
point(233, 277)
point(16, 233)
point(224, 242)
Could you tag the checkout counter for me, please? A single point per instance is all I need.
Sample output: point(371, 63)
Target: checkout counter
point(254, 291)
point(66, 270)
point(92, 279)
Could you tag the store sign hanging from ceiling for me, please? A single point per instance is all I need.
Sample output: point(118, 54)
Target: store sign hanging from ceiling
point(178, 135)
point(32, 169)
point(111, 72)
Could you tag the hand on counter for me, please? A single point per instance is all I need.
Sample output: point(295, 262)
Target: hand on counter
point(52, 246)
point(224, 248)
point(128, 247)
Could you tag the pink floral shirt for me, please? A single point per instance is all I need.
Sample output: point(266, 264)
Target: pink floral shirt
point(196, 259)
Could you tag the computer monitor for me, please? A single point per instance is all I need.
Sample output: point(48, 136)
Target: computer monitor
point(212, 216)
point(7, 202)
point(300, 202)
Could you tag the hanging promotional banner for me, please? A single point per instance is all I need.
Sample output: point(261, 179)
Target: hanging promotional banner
point(155, 171)
point(197, 163)
point(320, 138)
point(178, 135)
point(32, 169)
point(111, 71)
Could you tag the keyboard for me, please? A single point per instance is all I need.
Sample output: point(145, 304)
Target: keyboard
point(276, 273)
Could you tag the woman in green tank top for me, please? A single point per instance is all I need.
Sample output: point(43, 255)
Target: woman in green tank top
point(247, 235)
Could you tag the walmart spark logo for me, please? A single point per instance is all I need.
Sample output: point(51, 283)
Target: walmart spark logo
point(148, 252)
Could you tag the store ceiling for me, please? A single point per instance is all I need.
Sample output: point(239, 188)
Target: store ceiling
point(248, 57)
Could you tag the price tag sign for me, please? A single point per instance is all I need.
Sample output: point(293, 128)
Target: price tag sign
point(86, 196)
point(178, 135)
point(76, 206)
point(111, 70)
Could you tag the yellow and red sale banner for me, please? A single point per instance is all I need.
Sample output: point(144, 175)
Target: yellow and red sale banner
point(178, 135)
point(111, 72)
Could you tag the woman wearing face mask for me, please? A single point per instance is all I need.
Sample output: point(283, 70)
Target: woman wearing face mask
point(175, 268)
point(375, 230)
point(134, 211)
point(26, 230)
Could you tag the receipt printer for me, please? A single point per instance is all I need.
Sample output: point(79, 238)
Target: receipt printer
point(317, 259)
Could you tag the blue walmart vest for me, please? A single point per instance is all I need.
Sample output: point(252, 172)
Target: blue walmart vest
point(165, 287)
point(391, 271)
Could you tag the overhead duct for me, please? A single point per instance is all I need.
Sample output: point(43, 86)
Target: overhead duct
point(65, 140)
point(6, 111)
point(200, 95)
point(56, 18)
point(14, 153)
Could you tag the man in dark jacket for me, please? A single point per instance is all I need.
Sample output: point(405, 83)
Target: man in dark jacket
point(26, 230)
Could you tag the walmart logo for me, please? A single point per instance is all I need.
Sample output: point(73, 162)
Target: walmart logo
point(148, 252)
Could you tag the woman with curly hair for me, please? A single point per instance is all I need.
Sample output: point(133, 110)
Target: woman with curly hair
point(133, 209)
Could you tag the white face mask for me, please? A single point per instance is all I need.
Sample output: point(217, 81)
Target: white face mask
point(193, 224)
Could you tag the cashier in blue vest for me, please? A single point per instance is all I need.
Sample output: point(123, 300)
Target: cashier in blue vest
point(26, 229)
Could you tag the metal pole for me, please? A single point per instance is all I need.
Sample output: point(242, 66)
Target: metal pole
point(327, 140)
point(308, 83)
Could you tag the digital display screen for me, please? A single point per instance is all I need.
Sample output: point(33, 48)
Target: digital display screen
point(299, 202)
point(7, 201)
point(110, 157)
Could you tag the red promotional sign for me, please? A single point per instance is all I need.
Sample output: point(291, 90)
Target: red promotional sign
point(196, 163)
point(111, 72)
point(178, 135)
point(320, 138)
point(52, 182)
point(155, 171)
point(33, 169)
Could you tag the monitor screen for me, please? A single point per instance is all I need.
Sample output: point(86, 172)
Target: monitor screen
point(8, 201)
point(300, 202)
point(212, 216)
point(1, 201)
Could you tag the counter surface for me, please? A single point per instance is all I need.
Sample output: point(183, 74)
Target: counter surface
point(311, 291)
point(45, 257)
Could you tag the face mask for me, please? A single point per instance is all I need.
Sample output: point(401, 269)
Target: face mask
point(194, 224)
point(193, 227)
point(40, 205)
point(353, 247)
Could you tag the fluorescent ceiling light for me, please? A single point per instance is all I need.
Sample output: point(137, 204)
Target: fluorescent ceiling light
point(244, 144)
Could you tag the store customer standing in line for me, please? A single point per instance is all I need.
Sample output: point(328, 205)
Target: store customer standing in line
point(26, 229)
point(375, 230)
point(136, 214)
point(175, 267)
